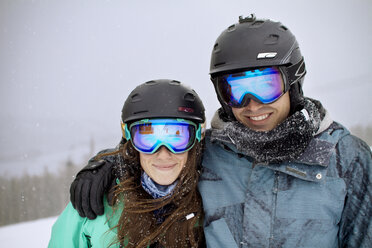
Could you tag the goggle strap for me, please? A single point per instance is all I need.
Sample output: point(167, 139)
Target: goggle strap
point(127, 133)
point(296, 72)
point(198, 133)
point(122, 125)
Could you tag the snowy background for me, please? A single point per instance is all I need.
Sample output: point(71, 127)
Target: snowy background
point(31, 234)
point(66, 67)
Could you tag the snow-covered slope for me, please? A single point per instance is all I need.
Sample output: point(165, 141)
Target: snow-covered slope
point(32, 234)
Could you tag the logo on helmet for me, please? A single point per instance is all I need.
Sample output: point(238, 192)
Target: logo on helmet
point(266, 55)
point(186, 110)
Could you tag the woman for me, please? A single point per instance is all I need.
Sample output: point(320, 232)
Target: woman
point(156, 202)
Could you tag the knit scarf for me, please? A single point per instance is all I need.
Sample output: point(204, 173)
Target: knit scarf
point(285, 142)
point(157, 191)
point(154, 189)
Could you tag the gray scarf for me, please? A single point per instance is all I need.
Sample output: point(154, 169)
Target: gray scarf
point(285, 142)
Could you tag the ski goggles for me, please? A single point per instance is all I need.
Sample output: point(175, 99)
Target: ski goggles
point(264, 85)
point(148, 135)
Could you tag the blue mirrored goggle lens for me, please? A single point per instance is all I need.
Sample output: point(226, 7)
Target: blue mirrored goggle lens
point(177, 136)
point(265, 85)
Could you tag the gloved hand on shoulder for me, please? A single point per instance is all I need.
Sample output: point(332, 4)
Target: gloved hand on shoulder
point(89, 187)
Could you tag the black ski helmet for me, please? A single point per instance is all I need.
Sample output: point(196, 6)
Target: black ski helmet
point(254, 43)
point(163, 98)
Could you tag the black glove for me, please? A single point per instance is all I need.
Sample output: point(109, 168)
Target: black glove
point(89, 187)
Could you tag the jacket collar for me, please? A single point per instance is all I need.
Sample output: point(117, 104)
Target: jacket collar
point(310, 165)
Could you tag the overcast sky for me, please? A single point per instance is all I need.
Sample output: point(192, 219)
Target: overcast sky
point(66, 67)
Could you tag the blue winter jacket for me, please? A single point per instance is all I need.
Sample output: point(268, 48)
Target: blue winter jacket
point(321, 200)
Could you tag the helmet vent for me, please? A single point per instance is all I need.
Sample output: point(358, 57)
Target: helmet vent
point(272, 39)
point(219, 64)
point(136, 98)
point(284, 28)
point(231, 28)
point(189, 97)
point(175, 82)
point(257, 24)
point(140, 112)
point(152, 82)
point(216, 48)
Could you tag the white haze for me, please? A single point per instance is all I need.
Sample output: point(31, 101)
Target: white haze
point(66, 67)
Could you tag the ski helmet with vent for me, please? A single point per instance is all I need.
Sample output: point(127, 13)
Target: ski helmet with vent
point(255, 43)
point(163, 98)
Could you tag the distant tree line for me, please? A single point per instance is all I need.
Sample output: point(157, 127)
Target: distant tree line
point(32, 197)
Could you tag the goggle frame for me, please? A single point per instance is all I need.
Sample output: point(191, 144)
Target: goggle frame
point(248, 96)
point(199, 133)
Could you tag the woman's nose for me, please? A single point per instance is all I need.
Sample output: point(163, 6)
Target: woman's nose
point(163, 152)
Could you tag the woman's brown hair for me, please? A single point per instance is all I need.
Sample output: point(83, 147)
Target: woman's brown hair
point(138, 226)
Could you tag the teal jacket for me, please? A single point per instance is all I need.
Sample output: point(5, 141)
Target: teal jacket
point(71, 230)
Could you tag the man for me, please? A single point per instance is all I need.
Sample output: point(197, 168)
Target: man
point(277, 171)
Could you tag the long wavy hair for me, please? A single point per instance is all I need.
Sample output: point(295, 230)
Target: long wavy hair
point(138, 226)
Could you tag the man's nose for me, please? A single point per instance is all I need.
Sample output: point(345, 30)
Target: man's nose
point(253, 105)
